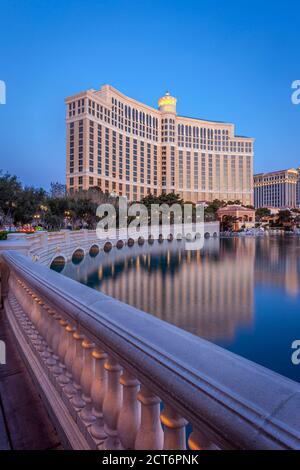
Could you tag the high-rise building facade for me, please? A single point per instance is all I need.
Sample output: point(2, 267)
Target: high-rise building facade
point(277, 189)
point(131, 149)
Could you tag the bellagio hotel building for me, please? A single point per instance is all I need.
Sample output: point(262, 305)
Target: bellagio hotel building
point(128, 148)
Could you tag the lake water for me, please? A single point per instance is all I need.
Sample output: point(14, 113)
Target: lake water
point(240, 293)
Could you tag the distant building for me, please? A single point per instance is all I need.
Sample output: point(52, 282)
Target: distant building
point(124, 146)
point(277, 189)
point(243, 216)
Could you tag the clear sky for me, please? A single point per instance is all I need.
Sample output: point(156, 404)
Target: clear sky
point(226, 60)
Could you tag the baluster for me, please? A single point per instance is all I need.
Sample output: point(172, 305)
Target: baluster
point(130, 414)
point(86, 380)
point(42, 327)
point(45, 328)
point(98, 393)
point(35, 314)
point(55, 368)
point(70, 389)
point(63, 378)
point(174, 430)
point(198, 441)
point(51, 361)
point(150, 434)
point(77, 400)
point(41, 323)
point(112, 403)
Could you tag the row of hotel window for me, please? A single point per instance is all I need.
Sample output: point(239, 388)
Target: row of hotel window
point(232, 178)
point(146, 126)
point(114, 186)
point(118, 187)
point(276, 194)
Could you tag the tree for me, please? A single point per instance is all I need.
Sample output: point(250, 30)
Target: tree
point(84, 212)
point(262, 212)
point(57, 190)
point(284, 216)
point(210, 212)
point(10, 189)
point(227, 223)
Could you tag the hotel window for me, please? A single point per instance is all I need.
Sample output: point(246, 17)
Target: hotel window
point(135, 158)
point(148, 163)
point(233, 179)
point(142, 162)
point(210, 172)
point(241, 172)
point(180, 154)
point(107, 152)
point(80, 146)
point(155, 165)
point(91, 147)
point(114, 154)
point(99, 147)
point(210, 136)
point(196, 170)
point(249, 173)
point(203, 172)
point(173, 166)
point(218, 176)
point(164, 166)
point(188, 170)
point(203, 138)
point(225, 173)
point(72, 147)
point(127, 158)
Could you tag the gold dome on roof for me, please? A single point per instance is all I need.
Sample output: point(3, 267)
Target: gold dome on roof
point(167, 103)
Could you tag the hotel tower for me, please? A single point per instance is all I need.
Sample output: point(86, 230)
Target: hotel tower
point(128, 148)
point(277, 188)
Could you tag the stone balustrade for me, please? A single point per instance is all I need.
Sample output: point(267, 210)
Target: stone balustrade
point(47, 246)
point(114, 377)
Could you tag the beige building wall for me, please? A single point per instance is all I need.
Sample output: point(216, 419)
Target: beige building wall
point(131, 149)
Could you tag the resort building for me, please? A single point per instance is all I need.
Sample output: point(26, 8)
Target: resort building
point(277, 189)
point(128, 148)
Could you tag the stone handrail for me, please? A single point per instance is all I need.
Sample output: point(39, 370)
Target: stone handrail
point(106, 369)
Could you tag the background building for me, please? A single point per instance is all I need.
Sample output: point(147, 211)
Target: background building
point(126, 147)
point(277, 189)
point(241, 216)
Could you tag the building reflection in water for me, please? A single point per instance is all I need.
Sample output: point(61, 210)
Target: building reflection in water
point(207, 292)
point(277, 263)
point(241, 293)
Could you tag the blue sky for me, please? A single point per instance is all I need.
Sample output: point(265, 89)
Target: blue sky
point(225, 60)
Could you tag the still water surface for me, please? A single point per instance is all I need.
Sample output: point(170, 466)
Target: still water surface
point(241, 293)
